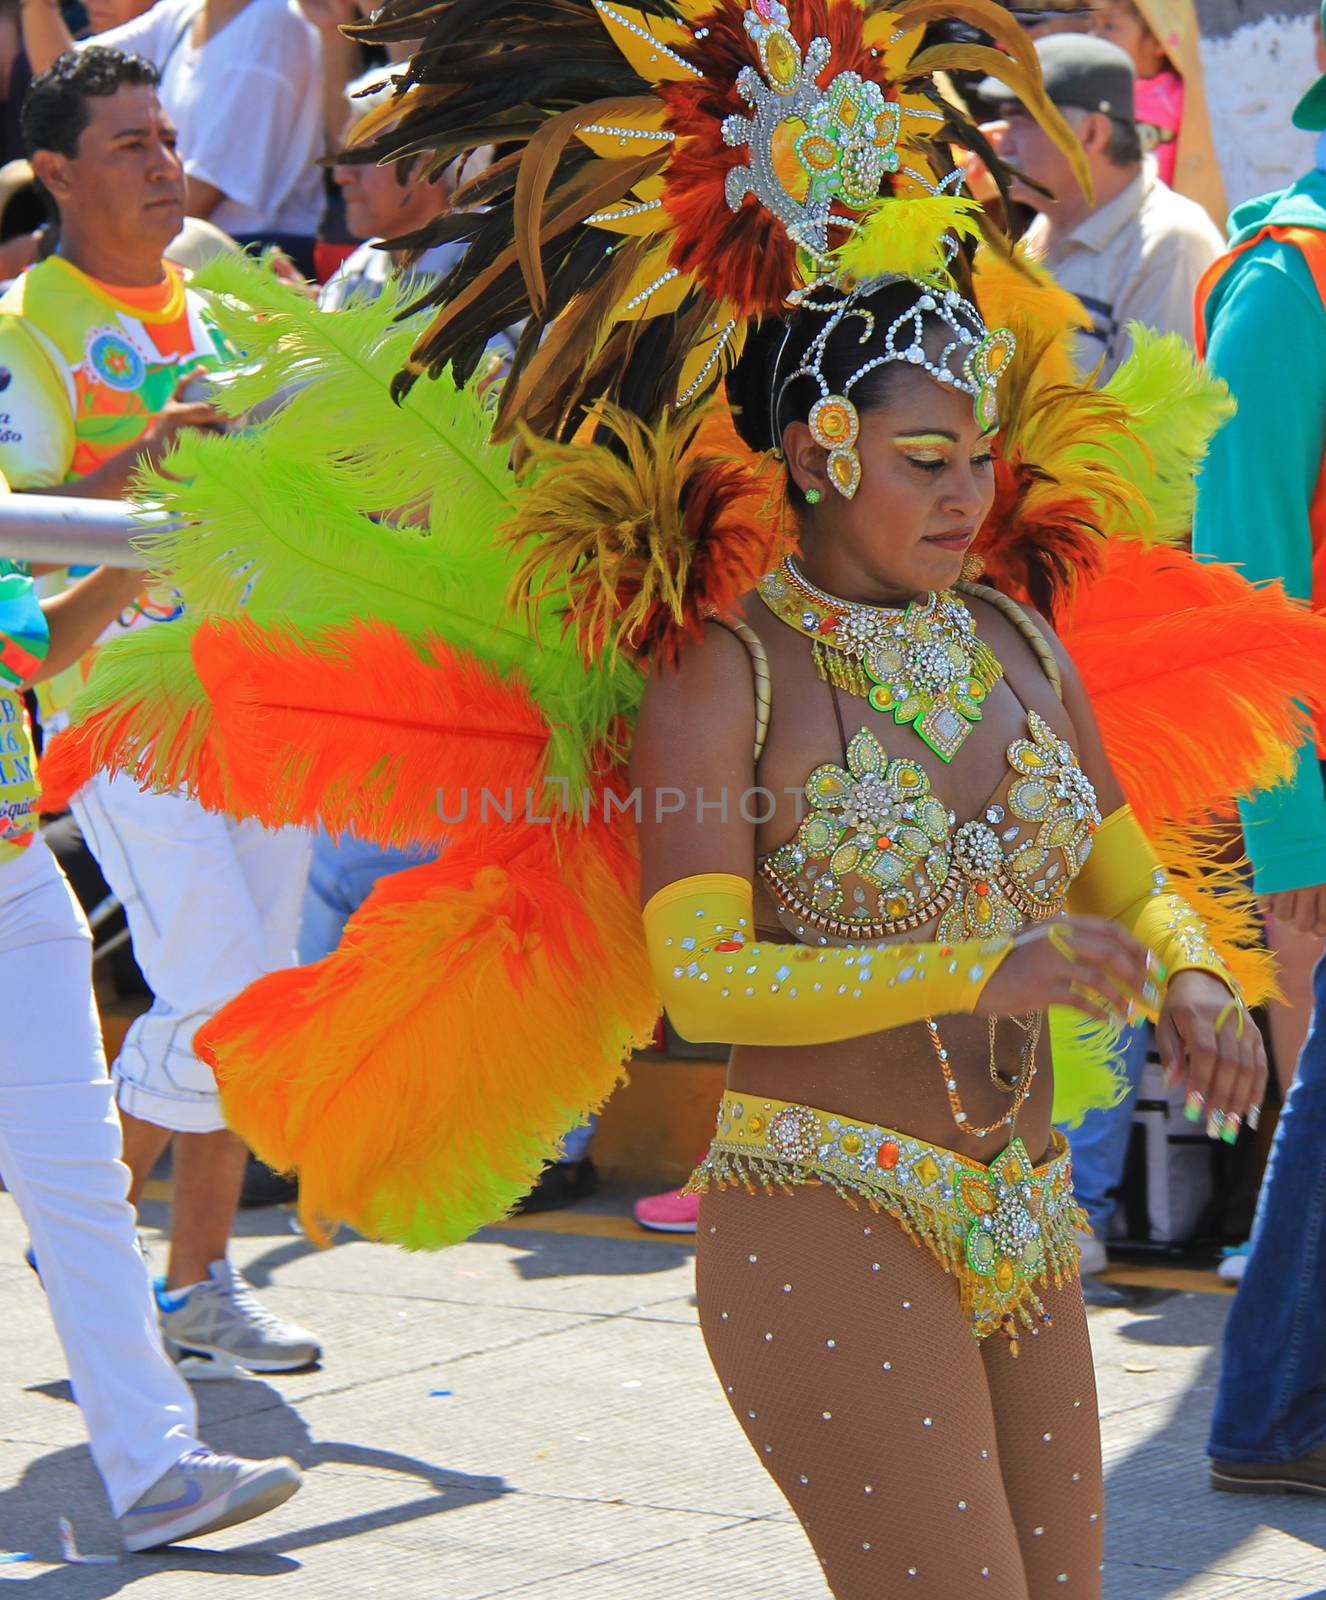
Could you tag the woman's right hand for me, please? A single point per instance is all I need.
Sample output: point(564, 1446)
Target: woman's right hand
point(1088, 963)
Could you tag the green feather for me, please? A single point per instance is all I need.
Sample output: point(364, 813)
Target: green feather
point(285, 519)
point(146, 681)
point(1086, 1065)
point(1176, 406)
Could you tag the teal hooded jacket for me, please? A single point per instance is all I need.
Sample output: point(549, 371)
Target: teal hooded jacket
point(1265, 323)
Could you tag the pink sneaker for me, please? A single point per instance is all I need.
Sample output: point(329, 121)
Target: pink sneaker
point(673, 1212)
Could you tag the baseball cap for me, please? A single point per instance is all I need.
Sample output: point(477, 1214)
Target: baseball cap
point(1310, 112)
point(1081, 71)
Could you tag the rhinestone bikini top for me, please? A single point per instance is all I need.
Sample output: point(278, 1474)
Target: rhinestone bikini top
point(879, 854)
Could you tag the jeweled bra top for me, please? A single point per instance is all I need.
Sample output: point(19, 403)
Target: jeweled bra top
point(879, 854)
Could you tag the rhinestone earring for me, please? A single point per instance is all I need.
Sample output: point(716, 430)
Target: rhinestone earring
point(813, 497)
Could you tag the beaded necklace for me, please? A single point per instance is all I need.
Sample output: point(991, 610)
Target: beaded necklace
point(925, 663)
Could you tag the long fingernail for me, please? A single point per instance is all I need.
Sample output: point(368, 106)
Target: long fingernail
point(1230, 1132)
point(1193, 1106)
point(1214, 1122)
point(1255, 1118)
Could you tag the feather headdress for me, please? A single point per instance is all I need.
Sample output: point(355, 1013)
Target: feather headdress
point(674, 171)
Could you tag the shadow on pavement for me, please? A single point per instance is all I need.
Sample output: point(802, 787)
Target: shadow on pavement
point(1164, 1522)
point(66, 1482)
point(558, 1255)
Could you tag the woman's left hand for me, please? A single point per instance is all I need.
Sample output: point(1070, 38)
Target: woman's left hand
point(1206, 1036)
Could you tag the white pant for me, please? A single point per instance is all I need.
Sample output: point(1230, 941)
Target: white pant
point(60, 1155)
point(212, 905)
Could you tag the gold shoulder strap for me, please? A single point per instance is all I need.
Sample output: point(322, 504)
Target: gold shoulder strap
point(1025, 626)
point(759, 663)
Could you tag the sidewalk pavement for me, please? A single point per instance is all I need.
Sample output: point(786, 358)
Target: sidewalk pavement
point(531, 1415)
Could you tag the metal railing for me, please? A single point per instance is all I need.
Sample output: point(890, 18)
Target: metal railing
point(53, 530)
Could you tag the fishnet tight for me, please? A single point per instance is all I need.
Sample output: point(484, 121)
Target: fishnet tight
point(918, 1460)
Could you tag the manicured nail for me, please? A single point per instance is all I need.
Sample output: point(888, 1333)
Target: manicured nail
point(1193, 1105)
point(1230, 1132)
point(1255, 1118)
point(1214, 1122)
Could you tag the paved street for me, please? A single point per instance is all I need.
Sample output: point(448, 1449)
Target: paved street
point(531, 1415)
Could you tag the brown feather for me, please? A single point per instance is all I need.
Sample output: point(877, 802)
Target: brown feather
point(537, 166)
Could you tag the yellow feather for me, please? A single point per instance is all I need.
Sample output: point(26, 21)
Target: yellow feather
point(634, 34)
point(651, 292)
point(633, 134)
point(906, 236)
point(1014, 291)
point(878, 34)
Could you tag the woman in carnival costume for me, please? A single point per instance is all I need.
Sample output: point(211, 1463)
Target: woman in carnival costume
point(954, 835)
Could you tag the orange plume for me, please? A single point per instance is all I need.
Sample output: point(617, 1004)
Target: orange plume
point(360, 728)
point(1196, 676)
point(478, 1007)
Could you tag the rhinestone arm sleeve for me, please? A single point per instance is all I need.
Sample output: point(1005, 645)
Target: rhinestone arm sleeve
point(1123, 879)
point(718, 983)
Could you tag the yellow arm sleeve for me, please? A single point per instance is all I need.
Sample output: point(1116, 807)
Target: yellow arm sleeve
point(1124, 880)
point(716, 983)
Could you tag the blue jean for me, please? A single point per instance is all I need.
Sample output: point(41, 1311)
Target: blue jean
point(1100, 1142)
point(1271, 1401)
point(341, 877)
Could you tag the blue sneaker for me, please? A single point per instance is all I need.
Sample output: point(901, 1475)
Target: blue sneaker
point(1233, 1262)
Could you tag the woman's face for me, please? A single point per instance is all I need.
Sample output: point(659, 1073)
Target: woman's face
point(927, 482)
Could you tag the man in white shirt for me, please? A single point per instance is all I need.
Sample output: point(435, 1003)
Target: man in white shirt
point(1135, 251)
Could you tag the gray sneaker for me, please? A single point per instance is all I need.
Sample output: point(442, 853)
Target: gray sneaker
point(204, 1491)
point(223, 1319)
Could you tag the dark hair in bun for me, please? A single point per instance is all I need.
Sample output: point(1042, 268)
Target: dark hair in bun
point(763, 401)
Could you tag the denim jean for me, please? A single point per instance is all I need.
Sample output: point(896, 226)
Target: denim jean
point(1271, 1400)
point(1099, 1144)
point(341, 877)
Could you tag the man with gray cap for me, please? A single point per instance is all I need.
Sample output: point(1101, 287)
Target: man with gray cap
point(1135, 250)
point(1261, 502)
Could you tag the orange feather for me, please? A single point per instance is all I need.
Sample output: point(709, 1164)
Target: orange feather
point(359, 728)
point(478, 1007)
point(1158, 633)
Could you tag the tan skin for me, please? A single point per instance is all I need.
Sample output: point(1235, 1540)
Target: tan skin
point(1024, 145)
point(926, 486)
point(1123, 24)
point(379, 206)
point(46, 36)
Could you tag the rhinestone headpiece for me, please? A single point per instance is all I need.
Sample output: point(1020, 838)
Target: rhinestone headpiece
point(849, 140)
point(972, 360)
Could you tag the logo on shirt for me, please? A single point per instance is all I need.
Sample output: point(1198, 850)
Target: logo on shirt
point(113, 360)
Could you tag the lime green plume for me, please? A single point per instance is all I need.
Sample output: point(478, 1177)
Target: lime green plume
point(906, 236)
point(341, 503)
point(1175, 408)
point(1086, 1065)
